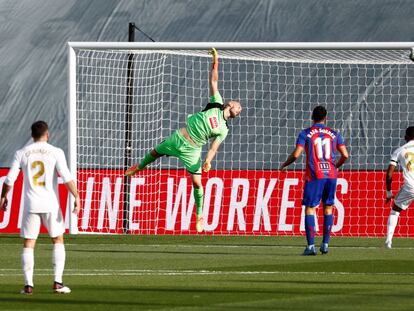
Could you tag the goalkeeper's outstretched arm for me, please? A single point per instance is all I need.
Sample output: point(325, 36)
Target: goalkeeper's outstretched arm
point(213, 78)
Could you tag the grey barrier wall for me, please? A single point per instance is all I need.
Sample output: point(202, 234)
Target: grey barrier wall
point(34, 36)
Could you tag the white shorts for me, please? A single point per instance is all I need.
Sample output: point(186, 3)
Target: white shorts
point(404, 198)
point(31, 222)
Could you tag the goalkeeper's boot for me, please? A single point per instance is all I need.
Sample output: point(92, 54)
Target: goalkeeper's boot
point(310, 250)
point(27, 290)
point(388, 245)
point(59, 288)
point(200, 224)
point(132, 170)
point(324, 248)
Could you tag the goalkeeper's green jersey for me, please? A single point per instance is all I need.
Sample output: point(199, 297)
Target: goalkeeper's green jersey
point(209, 123)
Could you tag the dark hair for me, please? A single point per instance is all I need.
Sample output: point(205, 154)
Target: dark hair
point(39, 128)
point(319, 113)
point(409, 133)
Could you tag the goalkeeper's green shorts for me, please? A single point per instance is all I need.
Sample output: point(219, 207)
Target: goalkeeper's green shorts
point(177, 146)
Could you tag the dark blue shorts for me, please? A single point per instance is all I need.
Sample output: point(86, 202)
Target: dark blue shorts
point(317, 190)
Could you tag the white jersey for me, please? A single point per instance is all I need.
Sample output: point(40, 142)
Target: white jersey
point(404, 156)
point(40, 162)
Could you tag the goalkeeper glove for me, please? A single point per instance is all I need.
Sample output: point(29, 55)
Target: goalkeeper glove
point(213, 53)
point(206, 166)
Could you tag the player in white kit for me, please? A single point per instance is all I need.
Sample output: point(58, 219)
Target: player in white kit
point(41, 163)
point(403, 156)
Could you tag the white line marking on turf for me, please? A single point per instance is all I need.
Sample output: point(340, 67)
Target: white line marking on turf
point(212, 246)
point(106, 272)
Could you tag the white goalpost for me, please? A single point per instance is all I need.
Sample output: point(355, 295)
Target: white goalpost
point(125, 98)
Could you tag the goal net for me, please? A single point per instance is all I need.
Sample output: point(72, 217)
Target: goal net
point(124, 100)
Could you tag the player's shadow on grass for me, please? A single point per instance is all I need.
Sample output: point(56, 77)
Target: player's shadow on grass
point(127, 296)
point(326, 282)
point(72, 300)
point(84, 304)
point(272, 292)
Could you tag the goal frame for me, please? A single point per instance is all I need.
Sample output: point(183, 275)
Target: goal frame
point(71, 60)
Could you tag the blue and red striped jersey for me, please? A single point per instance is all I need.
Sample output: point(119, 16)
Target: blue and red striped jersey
point(320, 144)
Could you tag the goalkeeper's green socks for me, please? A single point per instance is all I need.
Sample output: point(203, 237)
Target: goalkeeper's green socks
point(149, 158)
point(198, 198)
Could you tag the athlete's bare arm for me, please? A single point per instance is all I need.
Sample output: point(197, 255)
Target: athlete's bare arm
point(388, 182)
point(293, 156)
point(211, 154)
point(344, 156)
point(3, 200)
point(72, 188)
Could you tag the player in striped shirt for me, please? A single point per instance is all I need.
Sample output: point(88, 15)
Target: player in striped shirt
point(186, 143)
point(403, 156)
point(320, 144)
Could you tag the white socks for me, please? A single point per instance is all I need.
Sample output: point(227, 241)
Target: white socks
point(392, 223)
point(28, 265)
point(58, 261)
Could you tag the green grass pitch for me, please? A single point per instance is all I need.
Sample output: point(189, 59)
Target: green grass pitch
point(212, 273)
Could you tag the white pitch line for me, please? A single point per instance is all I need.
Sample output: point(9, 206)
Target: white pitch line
point(214, 246)
point(103, 272)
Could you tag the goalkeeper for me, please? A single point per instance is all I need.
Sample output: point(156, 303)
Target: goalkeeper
point(186, 143)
